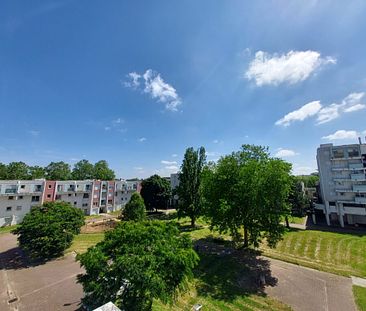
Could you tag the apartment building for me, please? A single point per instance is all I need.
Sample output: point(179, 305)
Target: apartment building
point(342, 183)
point(17, 197)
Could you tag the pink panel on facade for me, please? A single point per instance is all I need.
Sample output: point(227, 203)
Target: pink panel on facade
point(49, 191)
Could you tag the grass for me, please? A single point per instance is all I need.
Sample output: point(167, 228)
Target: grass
point(7, 229)
point(216, 286)
point(360, 297)
point(83, 241)
point(297, 220)
point(337, 253)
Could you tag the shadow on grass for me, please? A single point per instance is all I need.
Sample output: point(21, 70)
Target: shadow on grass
point(161, 215)
point(225, 273)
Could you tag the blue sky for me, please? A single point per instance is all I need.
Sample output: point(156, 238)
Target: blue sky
point(137, 82)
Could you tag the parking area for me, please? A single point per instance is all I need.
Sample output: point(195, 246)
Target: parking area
point(26, 286)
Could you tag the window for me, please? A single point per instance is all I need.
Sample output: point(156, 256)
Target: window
point(38, 188)
point(69, 194)
point(116, 193)
point(87, 187)
point(49, 186)
point(35, 198)
point(110, 201)
point(20, 197)
point(48, 196)
point(75, 202)
point(8, 209)
point(19, 208)
point(353, 152)
point(22, 187)
point(96, 188)
point(85, 204)
point(95, 203)
point(11, 197)
point(58, 197)
point(86, 196)
point(338, 153)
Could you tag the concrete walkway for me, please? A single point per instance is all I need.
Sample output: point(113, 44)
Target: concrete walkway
point(358, 281)
point(306, 289)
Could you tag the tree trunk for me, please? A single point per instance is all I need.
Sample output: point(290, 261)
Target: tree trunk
point(287, 223)
point(193, 222)
point(246, 240)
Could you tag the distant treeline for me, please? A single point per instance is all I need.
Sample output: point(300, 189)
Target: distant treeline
point(57, 171)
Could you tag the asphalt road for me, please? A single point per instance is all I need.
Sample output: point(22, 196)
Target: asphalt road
point(306, 289)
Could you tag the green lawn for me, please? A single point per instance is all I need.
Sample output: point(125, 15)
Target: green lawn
point(297, 220)
point(360, 297)
point(83, 241)
point(332, 252)
point(7, 229)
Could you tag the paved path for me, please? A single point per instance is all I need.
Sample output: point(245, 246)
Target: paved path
point(50, 286)
point(306, 289)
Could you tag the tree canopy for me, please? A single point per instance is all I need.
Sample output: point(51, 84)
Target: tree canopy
point(135, 263)
point(248, 191)
point(83, 170)
point(17, 170)
point(156, 192)
point(135, 208)
point(102, 171)
point(189, 188)
point(46, 231)
point(58, 171)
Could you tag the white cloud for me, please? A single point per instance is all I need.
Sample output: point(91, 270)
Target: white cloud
point(138, 168)
point(172, 167)
point(324, 114)
point(303, 170)
point(301, 114)
point(142, 139)
point(156, 87)
point(293, 67)
point(351, 103)
point(118, 121)
point(283, 153)
point(342, 134)
point(107, 128)
point(174, 155)
point(168, 162)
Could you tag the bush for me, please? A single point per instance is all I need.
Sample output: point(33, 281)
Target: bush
point(135, 208)
point(49, 229)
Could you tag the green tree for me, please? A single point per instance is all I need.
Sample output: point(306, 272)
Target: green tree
point(136, 263)
point(248, 191)
point(135, 208)
point(156, 192)
point(3, 171)
point(189, 188)
point(297, 198)
point(102, 171)
point(36, 172)
point(83, 170)
point(310, 181)
point(58, 171)
point(17, 170)
point(46, 231)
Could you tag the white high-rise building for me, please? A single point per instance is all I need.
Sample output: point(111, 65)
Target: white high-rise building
point(342, 183)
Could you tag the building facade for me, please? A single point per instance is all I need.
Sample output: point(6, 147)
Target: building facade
point(17, 197)
point(342, 183)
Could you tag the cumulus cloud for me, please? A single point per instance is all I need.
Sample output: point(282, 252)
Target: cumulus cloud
point(324, 114)
point(168, 162)
point(172, 167)
point(174, 155)
point(293, 67)
point(283, 153)
point(342, 134)
point(301, 114)
point(142, 139)
point(156, 87)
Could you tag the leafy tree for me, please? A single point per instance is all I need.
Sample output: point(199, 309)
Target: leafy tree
point(36, 172)
point(83, 170)
point(297, 198)
point(46, 231)
point(102, 171)
point(310, 181)
point(135, 208)
point(189, 188)
point(137, 262)
point(248, 191)
point(156, 192)
point(3, 171)
point(58, 171)
point(18, 170)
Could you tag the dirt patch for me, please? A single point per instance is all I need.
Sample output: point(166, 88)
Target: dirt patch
point(99, 226)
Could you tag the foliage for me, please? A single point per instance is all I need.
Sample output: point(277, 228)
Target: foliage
point(310, 181)
point(83, 170)
point(156, 192)
point(102, 171)
point(189, 188)
point(248, 190)
point(135, 208)
point(297, 198)
point(46, 231)
point(3, 171)
point(36, 172)
point(58, 171)
point(137, 262)
point(17, 170)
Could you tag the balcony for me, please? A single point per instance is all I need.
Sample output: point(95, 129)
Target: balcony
point(356, 166)
point(358, 177)
point(359, 188)
point(360, 200)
